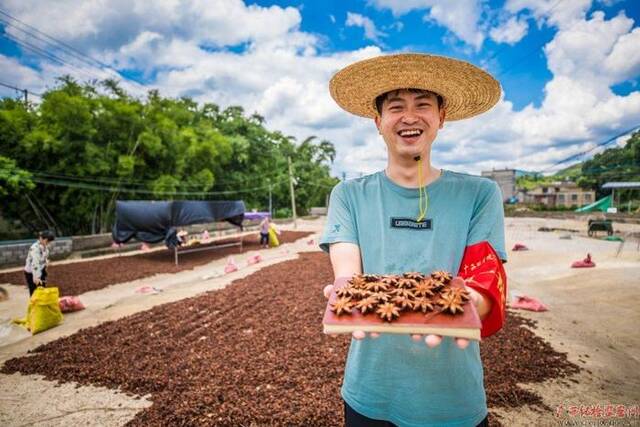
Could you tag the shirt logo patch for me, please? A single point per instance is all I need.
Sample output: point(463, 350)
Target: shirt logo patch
point(425, 224)
point(336, 228)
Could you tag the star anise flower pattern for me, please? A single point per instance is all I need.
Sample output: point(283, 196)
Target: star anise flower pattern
point(345, 291)
point(406, 283)
point(425, 288)
point(342, 305)
point(406, 293)
point(388, 311)
point(414, 275)
point(442, 276)
point(450, 303)
point(376, 286)
point(366, 305)
point(423, 304)
point(458, 293)
point(402, 302)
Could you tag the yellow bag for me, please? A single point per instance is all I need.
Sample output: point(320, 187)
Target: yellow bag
point(273, 237)
point(44, 310)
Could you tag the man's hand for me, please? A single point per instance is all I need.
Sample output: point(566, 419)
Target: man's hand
point(38, 282)
point(481, 303)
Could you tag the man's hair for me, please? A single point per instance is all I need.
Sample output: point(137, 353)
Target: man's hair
point(47, 235)
point(381, 98)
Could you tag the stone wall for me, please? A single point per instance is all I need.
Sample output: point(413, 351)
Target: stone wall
point(13, 253)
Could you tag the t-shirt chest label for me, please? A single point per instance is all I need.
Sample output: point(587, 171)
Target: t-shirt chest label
point(425, 224)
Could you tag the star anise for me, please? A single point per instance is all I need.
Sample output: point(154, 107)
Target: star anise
point(366, 305)
point(388, 311)
point(402, 302)
point(345, 291)
point(357, 281)
point(389, 280)
point(371, 277)
point(459, 293)
point(425, 288)
point(358, 294)
point(406, 283)
point(414, 275)
point(450, 303)
point(341, 306)
point(441, 276)
point(380, 296)
point(406, 293)
point(376, 286)
point(423, 304)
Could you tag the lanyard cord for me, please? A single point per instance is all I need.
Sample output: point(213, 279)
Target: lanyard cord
point(422, 189)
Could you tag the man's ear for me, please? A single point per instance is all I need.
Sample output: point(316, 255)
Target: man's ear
point(376, 119)
point(443, 115)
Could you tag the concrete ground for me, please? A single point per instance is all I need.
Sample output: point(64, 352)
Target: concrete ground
point(592, 316)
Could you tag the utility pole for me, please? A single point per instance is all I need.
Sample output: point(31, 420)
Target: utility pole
point(270, 203)
point(26, 96)
point(293, 197)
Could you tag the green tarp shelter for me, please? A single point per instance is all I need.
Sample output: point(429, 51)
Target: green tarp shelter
point(599, 205)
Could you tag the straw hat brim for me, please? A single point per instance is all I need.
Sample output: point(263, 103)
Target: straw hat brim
point(467, 90)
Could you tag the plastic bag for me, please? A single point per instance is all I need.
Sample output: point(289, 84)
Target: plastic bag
point(70, 303)
point(44, 310)
point(273, 237)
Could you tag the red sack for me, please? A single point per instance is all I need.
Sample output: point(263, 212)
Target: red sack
point(524, 302)
point(69, 304)
point(482, 270)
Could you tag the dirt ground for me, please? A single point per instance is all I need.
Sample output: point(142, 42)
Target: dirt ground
point(593, 317)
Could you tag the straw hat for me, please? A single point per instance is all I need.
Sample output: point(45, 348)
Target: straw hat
point(467, 90)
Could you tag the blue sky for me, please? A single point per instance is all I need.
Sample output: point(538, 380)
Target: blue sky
point(569, 69)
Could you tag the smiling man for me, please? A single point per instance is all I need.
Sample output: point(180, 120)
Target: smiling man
point(413, 216)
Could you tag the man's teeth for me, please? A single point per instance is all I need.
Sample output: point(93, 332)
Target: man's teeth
point(411, 132)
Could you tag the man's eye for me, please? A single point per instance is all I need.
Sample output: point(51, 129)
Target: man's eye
point(395, 108)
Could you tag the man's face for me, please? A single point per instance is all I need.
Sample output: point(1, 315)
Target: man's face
point(409, 123)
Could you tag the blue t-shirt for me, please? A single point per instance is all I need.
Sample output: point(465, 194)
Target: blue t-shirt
point(394, 378)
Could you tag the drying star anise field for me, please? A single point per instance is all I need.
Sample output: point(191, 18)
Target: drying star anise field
point(252, 354)
point(389, 295)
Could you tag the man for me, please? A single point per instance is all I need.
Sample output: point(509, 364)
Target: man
point(415, 217)
point(35, 268)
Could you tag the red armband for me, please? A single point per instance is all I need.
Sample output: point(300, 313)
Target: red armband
point(481, 269)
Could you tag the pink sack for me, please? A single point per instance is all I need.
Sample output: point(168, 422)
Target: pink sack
point(231, 266)
point(524, 302)
point(519, 247)
point(254, 259)
point(69, 304)
point(585, 263)
point(310, 242)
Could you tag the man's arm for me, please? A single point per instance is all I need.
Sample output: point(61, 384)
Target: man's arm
point(345, 259)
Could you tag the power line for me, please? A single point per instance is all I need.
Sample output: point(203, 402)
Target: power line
point(66, 48)
point(24, 91)
point(87, 186)
point(582, 153)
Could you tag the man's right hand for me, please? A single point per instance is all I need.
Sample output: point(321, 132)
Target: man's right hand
point(38, 282)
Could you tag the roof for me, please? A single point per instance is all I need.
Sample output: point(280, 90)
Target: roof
point(622, 185)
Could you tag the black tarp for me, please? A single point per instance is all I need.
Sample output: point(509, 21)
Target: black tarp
point(152, 222)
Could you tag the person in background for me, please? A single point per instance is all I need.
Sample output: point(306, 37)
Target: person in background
point(35, 268)
point(264, 231)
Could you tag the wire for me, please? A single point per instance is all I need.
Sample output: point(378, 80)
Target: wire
point(66, 48)
point(86, 186)
point(20, 90)
point(582, 153)
point(142, 183)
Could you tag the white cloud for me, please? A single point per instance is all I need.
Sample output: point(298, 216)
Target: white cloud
point(510, 32)
point(370, 30)
point(558, 13)
point(281, 75)
point(461, 17)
